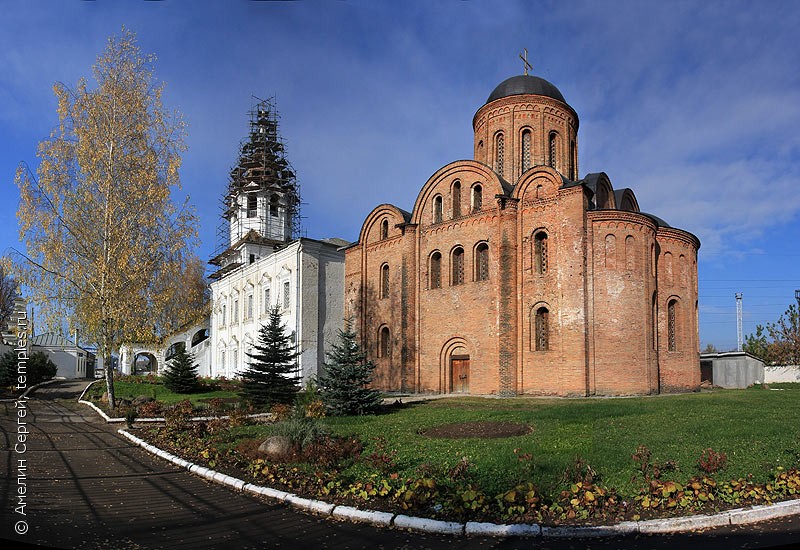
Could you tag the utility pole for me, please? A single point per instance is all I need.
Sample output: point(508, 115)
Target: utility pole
point(738, 321)
point(797, 297)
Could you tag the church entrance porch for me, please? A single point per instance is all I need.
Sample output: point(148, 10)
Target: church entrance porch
point(459, 374)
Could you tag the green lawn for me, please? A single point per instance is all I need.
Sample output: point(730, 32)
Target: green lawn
point(758, 429)
point(131, 390)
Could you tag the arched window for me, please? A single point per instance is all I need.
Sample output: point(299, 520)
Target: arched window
point(540, 252)
point(437, 209)
point(273, 206)
point(526, 150)
point(384, 229)
point(287, 294)
point(477, 198)
point(551, 155)
point(385, 281)
point(500, 153)
point(267, 305)
point(541, 328)
point(174, 349)
point(435, 271)
point(223, 314)
point(482, 262)
point(248, 312)
point(611, 251)
point(672, 325)
point(456, 199)
point(200, 336)
point(384, 343)
point(457, 262)
point(252, 205)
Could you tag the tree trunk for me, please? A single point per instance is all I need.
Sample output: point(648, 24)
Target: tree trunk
point(108, 367)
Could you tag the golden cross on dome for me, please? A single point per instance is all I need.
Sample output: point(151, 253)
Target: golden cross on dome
point(527, 66)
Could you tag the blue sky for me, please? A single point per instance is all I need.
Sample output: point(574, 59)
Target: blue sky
point(693, 105)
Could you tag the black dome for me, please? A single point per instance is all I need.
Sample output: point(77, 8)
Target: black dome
point(525, 84)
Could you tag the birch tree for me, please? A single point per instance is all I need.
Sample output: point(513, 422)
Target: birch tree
point(100, 227)
point(8, 291)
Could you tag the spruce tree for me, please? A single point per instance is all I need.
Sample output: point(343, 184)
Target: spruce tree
point(344, 386)
point(271, 376)
point(181, 375)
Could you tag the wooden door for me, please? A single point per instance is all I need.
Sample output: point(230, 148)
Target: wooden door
point(459, 368)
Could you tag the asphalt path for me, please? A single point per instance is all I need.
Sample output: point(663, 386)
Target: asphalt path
point(87, 487)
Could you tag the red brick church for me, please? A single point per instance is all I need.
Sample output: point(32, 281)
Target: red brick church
point(511, 275)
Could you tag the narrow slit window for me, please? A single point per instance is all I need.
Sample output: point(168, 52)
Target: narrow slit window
point(436, 270)
point(672, 337)
point(457, 199)
point(542, 329)
point(500, 153)
point(437, 209)
point(384, 346)
point(477, 198)
point(526, 150)
point(540, 252)
point(385, 281)
point(458, 266)
point(482, 262)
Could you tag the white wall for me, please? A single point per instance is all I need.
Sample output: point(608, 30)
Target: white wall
point(71, 362)
point(315, 273)
point(782, 374)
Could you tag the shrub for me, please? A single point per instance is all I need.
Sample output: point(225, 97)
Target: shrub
point(151, 409)
point(38, 368)
point(281, 412)
point(344, 386)
point(216, 405)
point(270, 377)
point(650, 469)
point(176, 417)
point(711, 461)
point(300, 431)
point(181, 375)
point(238, 417)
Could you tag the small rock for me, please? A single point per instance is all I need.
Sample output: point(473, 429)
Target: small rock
point(276, 445)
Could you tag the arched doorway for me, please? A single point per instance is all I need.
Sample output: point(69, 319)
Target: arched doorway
point(455, 366)
point(145, 363)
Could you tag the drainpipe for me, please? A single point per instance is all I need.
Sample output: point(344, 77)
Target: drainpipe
point(298, 307)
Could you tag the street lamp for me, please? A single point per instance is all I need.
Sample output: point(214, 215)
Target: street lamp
point(797, 297)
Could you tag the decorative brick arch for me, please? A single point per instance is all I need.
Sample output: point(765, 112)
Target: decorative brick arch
point(454, 347)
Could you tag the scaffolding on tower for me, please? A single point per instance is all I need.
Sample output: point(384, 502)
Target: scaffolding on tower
point(261, 166)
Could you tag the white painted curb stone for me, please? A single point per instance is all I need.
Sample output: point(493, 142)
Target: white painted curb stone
point(764, 512)
point(673, 525)
point(428, 525)
point(364, 516)
point(316, 506)
point(502, 530)
point(576, 531)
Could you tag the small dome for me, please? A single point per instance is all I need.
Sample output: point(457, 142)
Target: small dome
point(525, 84)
